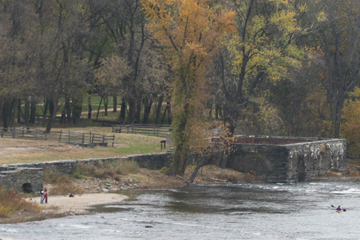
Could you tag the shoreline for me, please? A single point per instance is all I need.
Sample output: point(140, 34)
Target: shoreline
point(61, 206)
point(79, 204)
point(105, 191)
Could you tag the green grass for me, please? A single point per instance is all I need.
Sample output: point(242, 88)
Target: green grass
point(22, 151)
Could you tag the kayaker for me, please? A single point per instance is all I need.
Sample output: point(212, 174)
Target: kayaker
point(339, 207)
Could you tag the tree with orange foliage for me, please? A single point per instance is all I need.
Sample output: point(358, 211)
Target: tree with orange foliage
point(189, 31)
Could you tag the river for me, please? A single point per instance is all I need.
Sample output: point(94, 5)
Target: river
point(242, 211)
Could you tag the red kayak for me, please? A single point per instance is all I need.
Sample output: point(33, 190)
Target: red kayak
point(339, 210)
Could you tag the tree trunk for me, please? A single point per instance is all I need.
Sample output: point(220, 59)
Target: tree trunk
point(53, 105)
point(19, 112)
point(32, 112)
point(158, 109)
point(115, 103)
point(205, 161)
point(216, 111)
point(63, 114)
point(76, 109)
point(123, 110)
point(210, 105)
point(147, 110)
point(26, 115)
point(131, 111)
point(6, 112)
point(138, 110)
point(106, 100)
point(98, 111)
point(67, 109)
point(89, 107)
point(169, 112)
point(46, 105)
point(181, 154)
point(164, 114)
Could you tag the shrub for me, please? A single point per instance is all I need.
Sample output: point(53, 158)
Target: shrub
point(55, 177)
point(11, 201)
point(65, 188)
point(105, 169)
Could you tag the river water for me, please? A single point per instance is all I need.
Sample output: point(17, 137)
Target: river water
point(244, 211)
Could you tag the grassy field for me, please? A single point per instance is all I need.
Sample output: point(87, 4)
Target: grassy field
point(22, 151)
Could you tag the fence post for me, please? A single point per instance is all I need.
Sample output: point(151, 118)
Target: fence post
point(69, 137)
point(83, 138)
point(103, 140)
point(13, 132)
point(60, 135)
point(45, 135)
point(23, 132)
point(90, 137)
point(2, 132)
point(113, 141)
point(35, 134)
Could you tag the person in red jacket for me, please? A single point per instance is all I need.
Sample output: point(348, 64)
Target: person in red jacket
point(46, 195)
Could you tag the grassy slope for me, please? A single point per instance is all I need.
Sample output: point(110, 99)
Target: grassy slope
point(20, 150)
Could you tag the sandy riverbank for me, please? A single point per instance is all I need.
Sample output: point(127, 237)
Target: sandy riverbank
point(79, 204)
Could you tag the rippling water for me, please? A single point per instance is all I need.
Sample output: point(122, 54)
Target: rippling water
point(245, 211)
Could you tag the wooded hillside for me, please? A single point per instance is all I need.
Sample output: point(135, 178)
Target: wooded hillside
point(270, 67)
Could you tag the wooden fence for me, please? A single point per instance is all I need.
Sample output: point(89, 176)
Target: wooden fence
point(81, 138)
point(146, 129)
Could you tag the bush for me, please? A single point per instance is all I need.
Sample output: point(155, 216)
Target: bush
point(105, 169)
point(65, 188)
point(11, 201)
point(56, 177)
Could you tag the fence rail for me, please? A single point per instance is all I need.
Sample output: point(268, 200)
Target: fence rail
point(80, 138)
point(146, 129)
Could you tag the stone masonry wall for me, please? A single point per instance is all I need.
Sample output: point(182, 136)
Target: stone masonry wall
point(29, 180)
point(150, 161)
point(279, 160)
point(289, 162)
point(21, 175)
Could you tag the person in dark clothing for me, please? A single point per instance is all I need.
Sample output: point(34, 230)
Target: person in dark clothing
point(42, 195)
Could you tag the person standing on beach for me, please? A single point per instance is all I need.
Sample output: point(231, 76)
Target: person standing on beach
point(46, 195)
point(41, 195)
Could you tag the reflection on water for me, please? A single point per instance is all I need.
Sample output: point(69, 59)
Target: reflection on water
point(245, 211)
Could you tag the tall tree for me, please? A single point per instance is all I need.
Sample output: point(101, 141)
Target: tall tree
point(190, 31)
point(17, 55)
point(263, 48)
point(338, 65)
point(61, 68)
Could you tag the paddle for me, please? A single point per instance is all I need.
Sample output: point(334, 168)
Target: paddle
point(342, 209)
